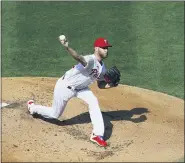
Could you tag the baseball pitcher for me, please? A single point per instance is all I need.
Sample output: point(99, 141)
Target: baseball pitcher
point(75, 83)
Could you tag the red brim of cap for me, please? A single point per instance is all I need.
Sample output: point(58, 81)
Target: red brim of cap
point(108, 45)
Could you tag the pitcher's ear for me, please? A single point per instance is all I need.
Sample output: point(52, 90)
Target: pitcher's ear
point(96, 49)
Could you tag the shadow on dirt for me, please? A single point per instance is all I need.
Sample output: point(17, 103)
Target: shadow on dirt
point(120, 115)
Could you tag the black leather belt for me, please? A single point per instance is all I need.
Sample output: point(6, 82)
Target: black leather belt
point(69, 87)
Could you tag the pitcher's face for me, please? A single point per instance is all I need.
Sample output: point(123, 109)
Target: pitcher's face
point(103, 52)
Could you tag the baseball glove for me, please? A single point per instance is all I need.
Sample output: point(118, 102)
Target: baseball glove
point(112, 76)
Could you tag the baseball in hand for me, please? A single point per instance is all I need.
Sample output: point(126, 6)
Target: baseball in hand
point(62, 37)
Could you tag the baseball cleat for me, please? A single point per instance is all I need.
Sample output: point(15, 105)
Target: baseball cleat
point(29, 103)
point(98, 140)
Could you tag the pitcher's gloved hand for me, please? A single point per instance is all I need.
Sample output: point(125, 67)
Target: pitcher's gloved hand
point(112, 76)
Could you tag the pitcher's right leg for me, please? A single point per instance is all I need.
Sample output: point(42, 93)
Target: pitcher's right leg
point(95, 115)
point(60, 98)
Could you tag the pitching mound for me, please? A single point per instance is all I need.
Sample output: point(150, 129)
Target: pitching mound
point(141, 125)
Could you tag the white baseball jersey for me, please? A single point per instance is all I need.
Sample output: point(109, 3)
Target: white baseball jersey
point(80, 77)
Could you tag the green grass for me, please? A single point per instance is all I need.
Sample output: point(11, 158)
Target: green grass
point(147, 38)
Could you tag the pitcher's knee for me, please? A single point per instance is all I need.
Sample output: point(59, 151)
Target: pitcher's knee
point(54, 115)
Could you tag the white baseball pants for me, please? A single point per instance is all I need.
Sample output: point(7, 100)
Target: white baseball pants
point(62, 95)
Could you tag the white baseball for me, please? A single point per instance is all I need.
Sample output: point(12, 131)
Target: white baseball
point(62, 37)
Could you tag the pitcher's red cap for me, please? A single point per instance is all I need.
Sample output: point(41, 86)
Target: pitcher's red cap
point(101, 42)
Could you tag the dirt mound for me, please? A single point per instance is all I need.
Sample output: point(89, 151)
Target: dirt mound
point(141, 125)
